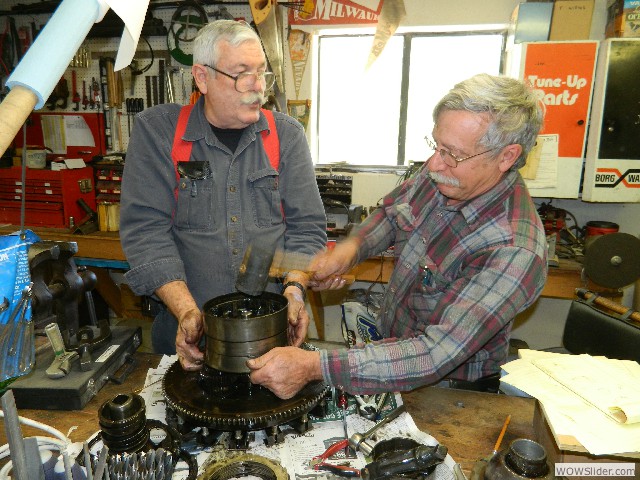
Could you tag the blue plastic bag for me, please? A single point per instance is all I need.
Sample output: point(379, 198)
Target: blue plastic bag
point(17, 350)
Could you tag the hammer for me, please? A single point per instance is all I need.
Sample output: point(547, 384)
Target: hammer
point(259, 263)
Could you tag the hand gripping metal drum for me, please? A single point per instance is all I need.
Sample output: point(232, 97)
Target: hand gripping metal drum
point(220, 397)
point(239, 327)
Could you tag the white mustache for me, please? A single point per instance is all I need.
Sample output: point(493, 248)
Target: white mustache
point(439, 178)
point(253, 98)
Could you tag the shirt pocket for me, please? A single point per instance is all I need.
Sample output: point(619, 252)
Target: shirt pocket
point(195, 191)
point(265, 195)
point(404, 220)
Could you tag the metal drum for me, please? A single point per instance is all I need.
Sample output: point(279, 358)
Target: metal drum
point(239, 327)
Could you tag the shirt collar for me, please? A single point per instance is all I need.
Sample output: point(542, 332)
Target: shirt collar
point(476, 208)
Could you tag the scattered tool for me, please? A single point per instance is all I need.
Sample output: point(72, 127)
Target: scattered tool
point(502, 432)
point(343, 403)
point(370, 406)
point(319, 462)
point(62, 361)
point(403, 458)
point(357, 441)
point(85, 99)
point(75, 95)
point(89, 223)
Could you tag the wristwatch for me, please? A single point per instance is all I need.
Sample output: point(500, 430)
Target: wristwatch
point(295, 284)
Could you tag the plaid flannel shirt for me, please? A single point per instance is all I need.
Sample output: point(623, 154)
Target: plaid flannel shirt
point(462, 273)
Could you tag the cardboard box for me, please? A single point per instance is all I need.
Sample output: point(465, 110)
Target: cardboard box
point(623, 19)
point(571, 20)
point(566, 449)
point(532, 22)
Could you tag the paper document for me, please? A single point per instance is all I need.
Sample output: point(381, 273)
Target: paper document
point(554, 379)
point(605, 384)
point(77, 132)
point(541, 169)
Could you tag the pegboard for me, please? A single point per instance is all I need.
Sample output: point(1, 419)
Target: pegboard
point(119, 121)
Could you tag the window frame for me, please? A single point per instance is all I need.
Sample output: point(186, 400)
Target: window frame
point(407, 37)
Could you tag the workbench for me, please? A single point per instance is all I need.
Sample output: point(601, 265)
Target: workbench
point(102, 251)
point(467, 423)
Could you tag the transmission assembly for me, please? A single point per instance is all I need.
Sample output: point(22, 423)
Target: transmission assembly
point(220, 398)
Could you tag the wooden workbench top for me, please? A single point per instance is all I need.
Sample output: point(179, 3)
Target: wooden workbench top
point(561, 281)
point(467, 423)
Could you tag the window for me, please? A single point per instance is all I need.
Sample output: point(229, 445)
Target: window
point(380, 115)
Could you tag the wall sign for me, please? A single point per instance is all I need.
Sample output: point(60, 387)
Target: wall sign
point(337, 12)
point(562, 74)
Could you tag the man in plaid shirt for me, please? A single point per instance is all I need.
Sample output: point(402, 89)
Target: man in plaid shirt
point(470, 254)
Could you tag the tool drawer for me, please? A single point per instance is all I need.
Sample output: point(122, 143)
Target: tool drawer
point(51, 197)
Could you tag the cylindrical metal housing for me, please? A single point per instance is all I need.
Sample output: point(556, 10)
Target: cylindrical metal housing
point(239, 327)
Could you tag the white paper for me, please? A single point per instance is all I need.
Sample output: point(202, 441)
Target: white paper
point(547, 174)
point(132, 14)
point(568, 413)
point(295, 452)
point(74, 163)
point(53, 133)
point(77, 132)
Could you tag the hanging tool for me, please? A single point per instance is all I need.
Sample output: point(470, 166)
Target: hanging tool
point(154, 81)
point(129, 106)
point(161, 81)
point(85, 99)
point(16, 338)
point(63, 359)
point(147, 84)
point(75, 95)
point(97, 99)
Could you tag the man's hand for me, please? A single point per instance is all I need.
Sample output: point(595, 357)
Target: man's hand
point(329, 265)
point(190, 328)
point(297, 316)
point(285, 370)
point(177, 297)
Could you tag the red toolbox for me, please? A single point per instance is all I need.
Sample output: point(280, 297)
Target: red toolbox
point(51, 197)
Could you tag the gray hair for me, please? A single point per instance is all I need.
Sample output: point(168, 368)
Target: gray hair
point(516, 110)
point(205, 45)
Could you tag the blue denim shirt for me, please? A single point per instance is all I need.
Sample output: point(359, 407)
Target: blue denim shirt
point(201, 237)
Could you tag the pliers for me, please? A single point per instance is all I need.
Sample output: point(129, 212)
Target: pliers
point(319, 462)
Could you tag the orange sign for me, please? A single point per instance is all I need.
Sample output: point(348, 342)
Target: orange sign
point(562, 73)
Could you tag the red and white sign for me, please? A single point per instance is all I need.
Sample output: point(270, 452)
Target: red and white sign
point(337, 12)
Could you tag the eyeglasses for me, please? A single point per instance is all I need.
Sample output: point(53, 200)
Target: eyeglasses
point(449, 158)
point(243, 82)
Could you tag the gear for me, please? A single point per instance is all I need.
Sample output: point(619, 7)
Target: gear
point(242, 407)
point(245, 465)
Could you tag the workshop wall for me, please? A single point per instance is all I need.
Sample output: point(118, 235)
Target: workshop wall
point(542, 324)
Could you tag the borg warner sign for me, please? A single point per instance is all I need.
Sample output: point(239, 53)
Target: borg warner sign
point(337, 12)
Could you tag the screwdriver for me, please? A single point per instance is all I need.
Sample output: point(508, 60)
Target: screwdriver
point(343, 403)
